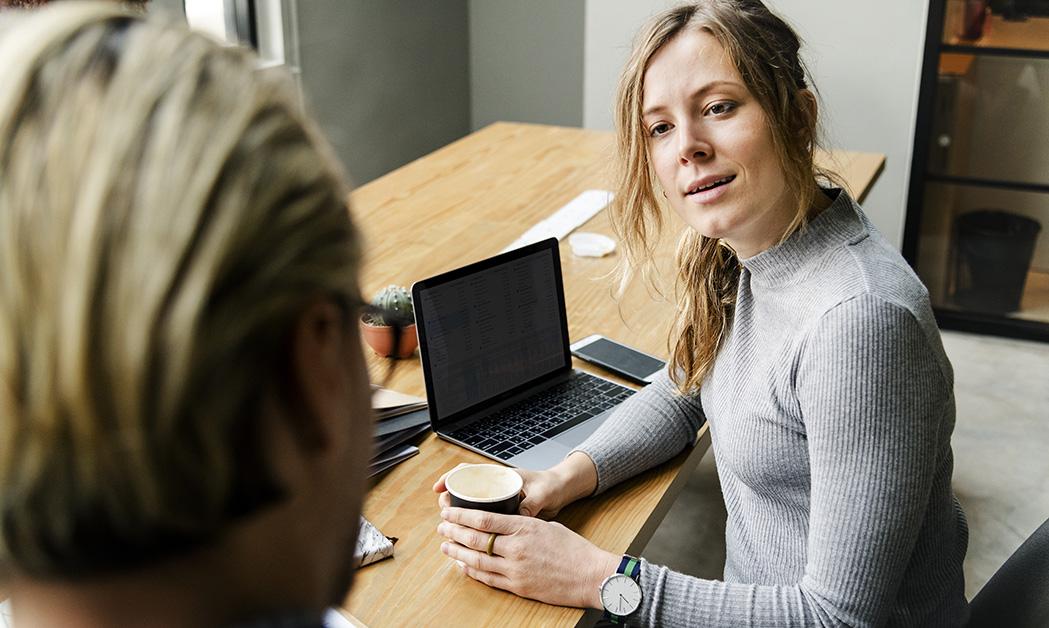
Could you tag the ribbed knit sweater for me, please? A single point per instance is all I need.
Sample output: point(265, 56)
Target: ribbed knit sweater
point(831, 408)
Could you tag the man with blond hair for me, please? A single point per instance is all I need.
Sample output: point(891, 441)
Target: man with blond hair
point(184, 405)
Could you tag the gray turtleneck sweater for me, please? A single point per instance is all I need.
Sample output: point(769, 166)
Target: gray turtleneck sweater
point(831, 408)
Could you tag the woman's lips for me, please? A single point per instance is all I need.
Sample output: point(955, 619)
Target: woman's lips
point(712, 192)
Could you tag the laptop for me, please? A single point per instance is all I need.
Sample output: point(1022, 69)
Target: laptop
point(493, 338)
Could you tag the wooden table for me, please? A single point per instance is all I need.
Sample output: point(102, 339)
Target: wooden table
point(466, 202)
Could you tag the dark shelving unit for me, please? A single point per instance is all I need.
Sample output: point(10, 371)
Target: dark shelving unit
point(973, 153)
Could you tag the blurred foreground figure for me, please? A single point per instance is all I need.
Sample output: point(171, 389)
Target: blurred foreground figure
point(184, 412)
point(25, 4)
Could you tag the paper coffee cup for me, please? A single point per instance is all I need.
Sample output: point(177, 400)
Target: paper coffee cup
point(488, 487)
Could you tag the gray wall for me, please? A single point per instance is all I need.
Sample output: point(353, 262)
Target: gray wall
point(865, 57)
point(388, 81)
point(526, 61)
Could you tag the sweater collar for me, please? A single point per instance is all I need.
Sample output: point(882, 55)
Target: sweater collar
point(839, 223)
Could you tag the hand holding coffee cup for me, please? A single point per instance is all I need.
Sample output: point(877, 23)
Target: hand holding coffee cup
point(544, 492)
point(488, 487)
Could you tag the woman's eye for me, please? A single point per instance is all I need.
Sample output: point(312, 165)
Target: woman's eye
point(721, 108)
point(658, 129)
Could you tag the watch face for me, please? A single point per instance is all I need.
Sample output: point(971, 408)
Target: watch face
point(620, 595)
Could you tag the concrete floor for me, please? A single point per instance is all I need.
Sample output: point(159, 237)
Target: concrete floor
point(1001, 468)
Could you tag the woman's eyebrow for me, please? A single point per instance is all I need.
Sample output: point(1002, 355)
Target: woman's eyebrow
point(694, 95)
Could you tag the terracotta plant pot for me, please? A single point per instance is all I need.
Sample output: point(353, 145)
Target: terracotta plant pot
point(380, 339)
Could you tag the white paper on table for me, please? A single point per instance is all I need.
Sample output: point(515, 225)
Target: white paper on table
point(335, 619)
point(562, 222)
point(372, 546)
point(386, 399)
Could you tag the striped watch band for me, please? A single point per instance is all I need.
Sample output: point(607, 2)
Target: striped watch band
point(631, 567)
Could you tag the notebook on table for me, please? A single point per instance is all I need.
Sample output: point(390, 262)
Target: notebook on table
point(493, 339)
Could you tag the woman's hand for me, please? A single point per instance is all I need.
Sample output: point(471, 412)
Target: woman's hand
point(546, 492)
point(541, 560)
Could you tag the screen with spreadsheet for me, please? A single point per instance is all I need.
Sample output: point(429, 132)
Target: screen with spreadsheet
point(491, 331)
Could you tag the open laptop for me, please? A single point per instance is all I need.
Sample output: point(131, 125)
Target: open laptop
point(499, 379)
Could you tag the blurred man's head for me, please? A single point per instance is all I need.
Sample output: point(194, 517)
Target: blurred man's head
point(25, 4)
point(179, 369)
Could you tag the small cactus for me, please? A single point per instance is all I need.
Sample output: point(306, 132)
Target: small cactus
point(395, 299)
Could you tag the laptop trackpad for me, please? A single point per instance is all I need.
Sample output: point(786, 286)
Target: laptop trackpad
point(542, 456)
point(549, 453)
point(581, 432)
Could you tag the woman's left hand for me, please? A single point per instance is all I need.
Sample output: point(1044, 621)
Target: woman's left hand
point(537, 559)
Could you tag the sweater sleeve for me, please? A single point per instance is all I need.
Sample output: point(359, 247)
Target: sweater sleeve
point(648, 428)
point(872, 396)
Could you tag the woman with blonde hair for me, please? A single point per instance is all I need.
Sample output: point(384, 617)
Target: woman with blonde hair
point(184, 408)
point(802, 337)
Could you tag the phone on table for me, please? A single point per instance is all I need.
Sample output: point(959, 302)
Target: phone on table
point(618, 358)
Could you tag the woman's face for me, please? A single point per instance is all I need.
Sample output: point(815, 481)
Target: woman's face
point(711, 147)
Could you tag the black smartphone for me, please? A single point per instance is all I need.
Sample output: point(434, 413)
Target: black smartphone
point(618, 358)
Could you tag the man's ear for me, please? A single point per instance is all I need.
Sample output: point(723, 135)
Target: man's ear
point(318, 373)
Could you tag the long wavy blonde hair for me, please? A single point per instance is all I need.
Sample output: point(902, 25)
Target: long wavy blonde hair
point(764, 50)
point(166, 214)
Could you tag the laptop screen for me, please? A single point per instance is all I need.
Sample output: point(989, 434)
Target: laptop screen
point(491, 328)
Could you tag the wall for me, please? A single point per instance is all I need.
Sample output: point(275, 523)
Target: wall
point(865, 57)
point(388, 80)
point(526, 61)
point(609, 32)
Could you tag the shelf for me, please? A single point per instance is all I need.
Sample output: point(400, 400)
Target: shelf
point(997, 52)
point(954, 64)
point(982, 143)
point(1034, 306)
point(1027, 38)
point(976, 323)
point(1015, 186)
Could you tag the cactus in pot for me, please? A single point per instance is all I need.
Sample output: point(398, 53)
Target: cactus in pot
point(396, 301)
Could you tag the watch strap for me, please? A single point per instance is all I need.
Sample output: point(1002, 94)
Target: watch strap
point(631, 567)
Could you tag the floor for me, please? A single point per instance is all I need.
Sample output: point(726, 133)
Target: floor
point(1001, 472)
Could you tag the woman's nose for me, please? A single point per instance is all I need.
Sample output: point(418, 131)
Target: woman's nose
point(692, 147)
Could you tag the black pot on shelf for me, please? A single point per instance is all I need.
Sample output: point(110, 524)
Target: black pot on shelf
point(993, 251)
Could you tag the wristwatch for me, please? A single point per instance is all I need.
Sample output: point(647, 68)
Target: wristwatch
point(620, 592)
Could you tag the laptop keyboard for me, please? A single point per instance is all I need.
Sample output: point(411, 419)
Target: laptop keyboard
point(524, 425)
